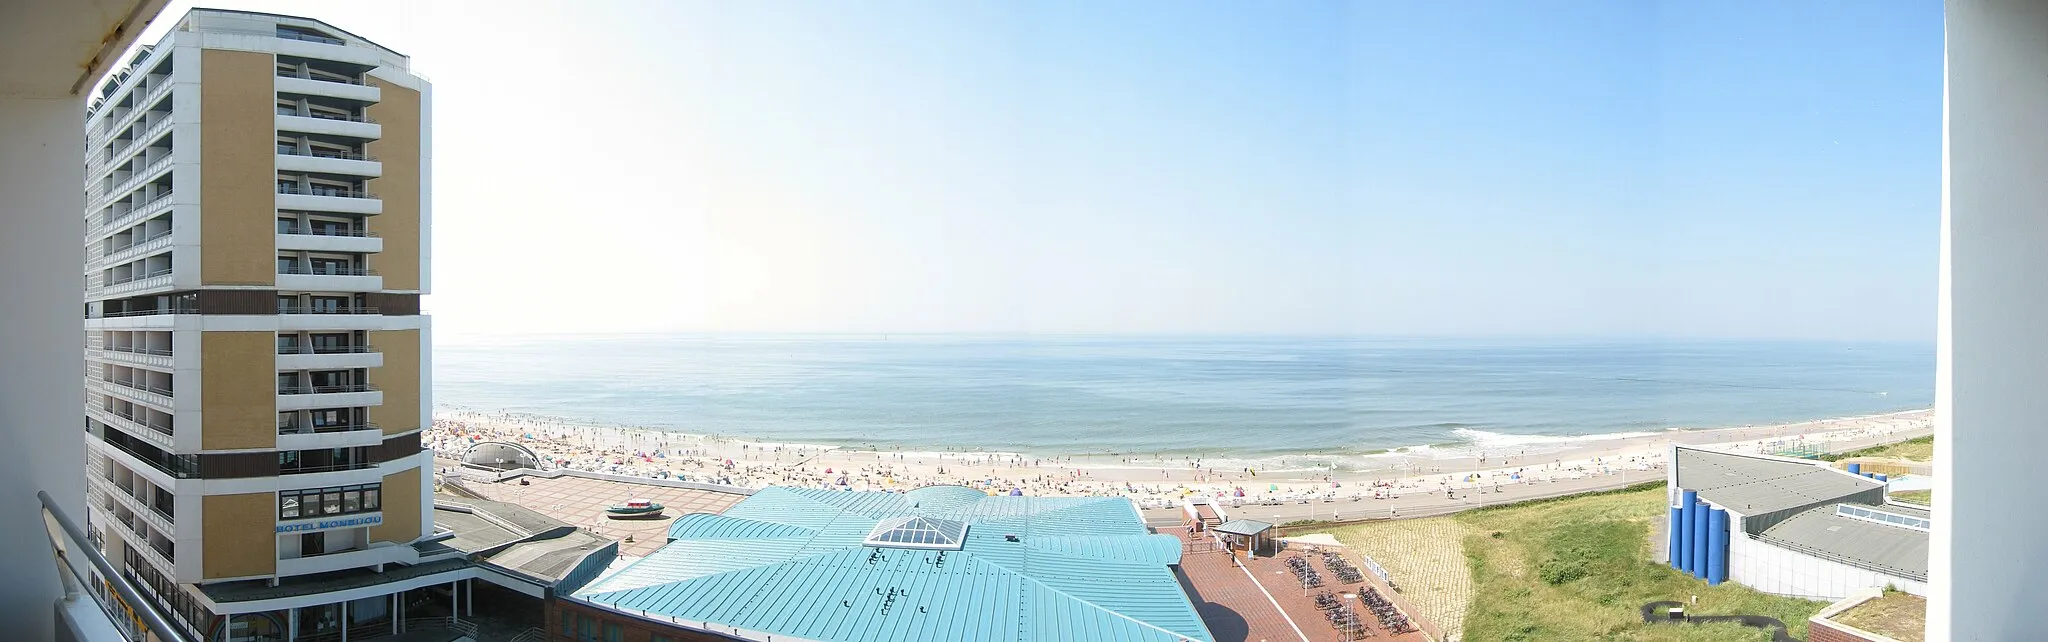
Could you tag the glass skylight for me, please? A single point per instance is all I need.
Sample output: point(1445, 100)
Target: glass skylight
point(929, 533)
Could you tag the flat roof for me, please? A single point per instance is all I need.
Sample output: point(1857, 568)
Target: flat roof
point(515, 538)
point(1750, 485)
point(1888, 549)
point(791, 562)
point(249, 590)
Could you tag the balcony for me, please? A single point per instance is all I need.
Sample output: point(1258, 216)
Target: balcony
point(90, 609)
point(156, 433)
point(327, 199)
point(316, 309)
point(138, 392)
point(140, 213)
point(329, 278)
point(132, 284)
point(318, 437)
point(291, 398)
point(136, 179)
point(317, 239)
point(295, 82)
point(292, 159)
point(159, 358)
point(176, 466)
point(135, 249)
point(309, 357)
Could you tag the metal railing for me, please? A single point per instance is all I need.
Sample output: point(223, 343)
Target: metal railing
point(315, 190)
point(329, 231)
point(140, 386)
point(177, 466)
point(316, 309)
point(326, 270)
point(110, 251)
point(321, 430)
point(325, 390)
point(141, 313)
point(309, 76)
point(319, 153)
point(320, 349)
point(310, 38)
point(301, 470)
point(353, 118)
point(136, 617)
point(162, 352)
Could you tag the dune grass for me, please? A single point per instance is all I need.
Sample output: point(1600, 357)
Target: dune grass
point(1916, 449)
point(1922, 497)
point(1426, 558)
point(1571, 568)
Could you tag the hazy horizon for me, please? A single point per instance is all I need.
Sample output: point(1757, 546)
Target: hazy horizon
point(1743, 170)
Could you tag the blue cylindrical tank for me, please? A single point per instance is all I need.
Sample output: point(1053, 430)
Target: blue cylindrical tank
point(1855, 469)
point(1671, 531)
point(1881, 477)
point(1717, 546)
point(1699, 540)
point(1687, 503)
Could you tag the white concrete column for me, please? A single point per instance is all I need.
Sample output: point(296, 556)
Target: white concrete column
point(394, 614)
point(42, 292)
point(1991, 382)
point(344, 621)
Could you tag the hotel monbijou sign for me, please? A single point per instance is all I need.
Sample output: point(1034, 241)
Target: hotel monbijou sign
point(366, 520)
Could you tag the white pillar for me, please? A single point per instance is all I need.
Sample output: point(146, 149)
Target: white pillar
point(1992, 362)
point(469, 597)
point(455, 600)
point(291, 623)
point(344, 621)
point(394, 614)
point(42, 255)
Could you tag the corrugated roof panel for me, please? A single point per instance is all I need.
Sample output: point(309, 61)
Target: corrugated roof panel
point(790, 562)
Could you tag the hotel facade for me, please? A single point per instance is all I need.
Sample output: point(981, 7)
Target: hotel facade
point(257, 367)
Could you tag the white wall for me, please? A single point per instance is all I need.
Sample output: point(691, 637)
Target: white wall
point(42, 256)
point(1992, 365)
point(1771, 569)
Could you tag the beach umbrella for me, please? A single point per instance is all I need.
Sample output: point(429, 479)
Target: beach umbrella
point(1240, 492)
point(828, 471)
point(1016, 492)
point(1272, 488)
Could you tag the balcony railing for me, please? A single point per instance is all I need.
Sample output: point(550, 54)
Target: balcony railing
point(326, 468)
point(315, 190)
point(321, 430)
point(144, 313)
point(133, 616)
point(309, 38)
point(353, 118)
point(321, 153)
point(320, 349)
point(177, 466)
point(309, 76)
point(137, 277)
point(110, 251)
point(326, 270)
point(327, 231)
point(326, 390)
point(140, 386)
point(162, 352)
point(164, 428)
point(317, 309)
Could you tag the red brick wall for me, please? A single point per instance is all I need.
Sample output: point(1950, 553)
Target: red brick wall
point(1821, 632)
point(634, 629)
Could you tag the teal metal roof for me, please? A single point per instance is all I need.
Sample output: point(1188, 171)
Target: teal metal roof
point(790, 562)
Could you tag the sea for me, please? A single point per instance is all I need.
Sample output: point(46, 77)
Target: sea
point(1236, 398)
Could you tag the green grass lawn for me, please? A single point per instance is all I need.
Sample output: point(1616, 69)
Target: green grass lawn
point(1922, 497)
point(1578, 568)
point(1916, 449)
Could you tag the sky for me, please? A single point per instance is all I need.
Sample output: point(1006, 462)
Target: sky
point(1441, 169)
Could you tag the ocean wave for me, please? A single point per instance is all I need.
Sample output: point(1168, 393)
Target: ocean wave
point(1472, 438)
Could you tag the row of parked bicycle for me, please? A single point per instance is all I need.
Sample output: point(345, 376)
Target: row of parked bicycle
point(1342, 568)
point(1390, 618)
point(1305, 572)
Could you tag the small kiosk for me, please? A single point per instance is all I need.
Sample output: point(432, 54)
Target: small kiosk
point(1252, 536)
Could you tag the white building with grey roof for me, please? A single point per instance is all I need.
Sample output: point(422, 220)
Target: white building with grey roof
point(1791, 526)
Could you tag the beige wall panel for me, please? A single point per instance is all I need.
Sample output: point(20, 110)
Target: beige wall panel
point(238, 151)
point(238, 390)
point(398, 113)
point(240, 535)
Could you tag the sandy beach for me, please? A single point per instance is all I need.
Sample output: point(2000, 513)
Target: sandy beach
point(1152, 482)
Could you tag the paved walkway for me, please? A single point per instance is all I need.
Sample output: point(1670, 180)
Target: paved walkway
point(1229, 602)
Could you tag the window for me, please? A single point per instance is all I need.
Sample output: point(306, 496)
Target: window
point(285, 225)
point(330, 503)
point(287, 421)
point(287, 343)
point(568, 622)
point(287, 265)
point(322, 502)
point(288, 507)
point(370, 500)
point(614, 633)
point(351, 501)
point(287, 303)
point(311, 544)
point(586, 628)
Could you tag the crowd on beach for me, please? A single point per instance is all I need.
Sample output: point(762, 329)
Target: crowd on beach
point(1155, 482)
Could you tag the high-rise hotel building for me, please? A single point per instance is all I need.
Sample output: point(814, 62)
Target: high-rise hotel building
point(257, 365)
